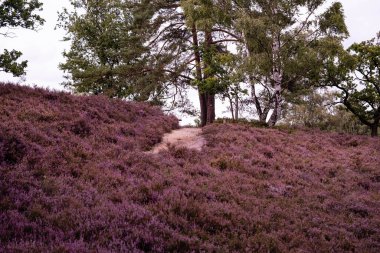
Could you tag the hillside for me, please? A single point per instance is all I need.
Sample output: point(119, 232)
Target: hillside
point(74, 177)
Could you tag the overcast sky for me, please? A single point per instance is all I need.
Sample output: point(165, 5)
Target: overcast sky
point(43, 49)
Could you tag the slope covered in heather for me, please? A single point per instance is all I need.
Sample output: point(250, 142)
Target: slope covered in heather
point(74, 177)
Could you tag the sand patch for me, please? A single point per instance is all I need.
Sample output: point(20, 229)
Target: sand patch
point(185, 137)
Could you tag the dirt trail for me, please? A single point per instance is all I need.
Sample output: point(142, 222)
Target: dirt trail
point(185, 137)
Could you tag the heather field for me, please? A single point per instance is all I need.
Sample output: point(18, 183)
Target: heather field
point(75, 177)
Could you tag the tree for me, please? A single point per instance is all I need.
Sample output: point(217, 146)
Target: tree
point(192, 39)
point(320, 109)
point(17, 13)
point(108, 53)
point(313, 110)
point(356, 73)
point(282, 39)
point(175, 45)
point(232, 81)
point(145, 49)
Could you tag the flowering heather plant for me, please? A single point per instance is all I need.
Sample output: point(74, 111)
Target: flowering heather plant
point(74, 177)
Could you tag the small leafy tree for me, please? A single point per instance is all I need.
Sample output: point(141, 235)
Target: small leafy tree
point(17, 13)
point(231, 83)
point(312, 110)
point(356, 73)
point(320, 109)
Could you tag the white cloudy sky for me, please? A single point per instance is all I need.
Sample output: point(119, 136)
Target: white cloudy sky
point(43, 49)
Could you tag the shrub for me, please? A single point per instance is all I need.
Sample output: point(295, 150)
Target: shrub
point(12, 149)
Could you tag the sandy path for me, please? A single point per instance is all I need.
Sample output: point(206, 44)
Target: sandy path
point(185, 137)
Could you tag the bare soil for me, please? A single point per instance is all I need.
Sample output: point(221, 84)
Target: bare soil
point(185, 137)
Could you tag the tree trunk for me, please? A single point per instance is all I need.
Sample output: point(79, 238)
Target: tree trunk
point(375, 126)
point(236, 107)
point(263, 114)
point(374, 130)
point(203, 107)
point(277, 75)
point(198, 68)
point(207, 61)
point(276, 114)
point(231, 107)
point(210, 108)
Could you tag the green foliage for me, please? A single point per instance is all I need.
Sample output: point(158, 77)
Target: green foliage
point(344, 121)
point(9, 64)
point(242, 121)
point(216, 59)
point(206, 14)
point(312, 110)
point(285, 42)
point(17, 13)
point(332, 21)
point(356, 73)
point(318, 109)
point(107, 53)
point(220, 73)
point(138, 49)
point(20, 13)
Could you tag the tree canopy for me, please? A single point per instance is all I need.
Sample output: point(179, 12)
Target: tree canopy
point(155, 50)
point(283, 41)
point(356, 73)
point(107, 53)
point(17, 13)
